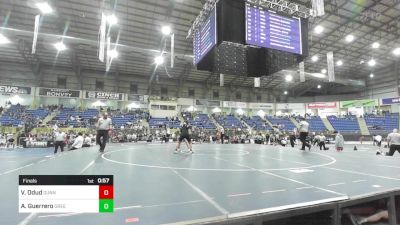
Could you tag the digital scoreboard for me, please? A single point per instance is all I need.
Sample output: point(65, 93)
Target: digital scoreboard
point(205, 37)
point(270, 30)
point(66, 194)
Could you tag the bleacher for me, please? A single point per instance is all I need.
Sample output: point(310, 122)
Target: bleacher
point(39, 113)
point(201, 121)
point(382, 124)
point(348, 124)
point(229, 122)
point(17, 115)
point(64, 116)
point(284, 123)
point(156, 122)
point(257, 123)
point(316, 124)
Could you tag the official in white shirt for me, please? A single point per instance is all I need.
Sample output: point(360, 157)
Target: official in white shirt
point(78, 142)
point(393, 140)
point(87, 141)
point(303, 129)
point(59, 140)
point(103, 126)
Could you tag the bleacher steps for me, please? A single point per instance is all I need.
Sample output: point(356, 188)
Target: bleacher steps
point(294, 121)
point(146, 125)
point(49, 117)
point(363, 126)
point(247, 125)
point(328, 124)
point(270, 125)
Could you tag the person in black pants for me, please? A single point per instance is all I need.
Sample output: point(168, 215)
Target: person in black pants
point(59, 139)
point(103, 126)
point(304, 125)
point(292, 139)
point(184, 136)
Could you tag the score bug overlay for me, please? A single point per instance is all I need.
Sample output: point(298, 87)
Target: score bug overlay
point(66, 193)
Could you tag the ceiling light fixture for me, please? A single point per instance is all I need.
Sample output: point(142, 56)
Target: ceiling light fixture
point(319, 29)
point(372, 62)
point(396, 51)
point(4, 39)
point(113, 53)
point(314, 58)
point(350, 38)
point(44, 7)
point(159, 60)
point(166, 30)
point(60, 46)
point(371, 75)
point(285, 93)
point(323, 71)
point(319, 86)
point(112, 19)
point(376, 45)
point(339, 63)
point(288, 78)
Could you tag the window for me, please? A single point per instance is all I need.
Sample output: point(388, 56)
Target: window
point(215, 94)
point(61, 82)
point(163, 107)
point(259, 98)
point(238, 96)
point(133, 88)
point(171, 107)
point(155, 107)
point(191, 93)
point(164, 91)
point(99, 85)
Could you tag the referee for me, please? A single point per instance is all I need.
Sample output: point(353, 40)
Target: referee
point(303, 129)
point(103, 126)
point(393, 141)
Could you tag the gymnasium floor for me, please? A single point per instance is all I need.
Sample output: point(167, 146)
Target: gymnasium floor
point(154, 186)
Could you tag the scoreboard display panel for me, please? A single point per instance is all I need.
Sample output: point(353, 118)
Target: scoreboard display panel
point(268, 29)
point(205, 37)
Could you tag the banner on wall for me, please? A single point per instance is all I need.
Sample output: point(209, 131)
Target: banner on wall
point(6, 89)
point(359, 103)
point(139, 98)
point(60, 93)
point(390, 101)
point(104, 95)
point(261, 105)
point(321, 105)
point(208, 103)
point(230, 104)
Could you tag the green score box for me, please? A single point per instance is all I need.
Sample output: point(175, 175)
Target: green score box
point(106, 205)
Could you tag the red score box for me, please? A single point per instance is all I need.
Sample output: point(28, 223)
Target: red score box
point(106, 192)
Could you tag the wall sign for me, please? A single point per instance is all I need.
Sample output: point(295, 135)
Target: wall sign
point(59, 93)
point(104, 95)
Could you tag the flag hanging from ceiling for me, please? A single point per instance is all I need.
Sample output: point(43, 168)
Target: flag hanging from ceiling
point(172, 50)
point(35, 33)
point(257, 82)
point(318, 8)
point(302, 73)
point(221, 79)
point(331, 67)
point(102, 37)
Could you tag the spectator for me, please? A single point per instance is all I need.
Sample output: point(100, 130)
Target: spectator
point(78, 142)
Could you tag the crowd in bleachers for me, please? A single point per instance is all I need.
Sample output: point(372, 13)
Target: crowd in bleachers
point(18, 115)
